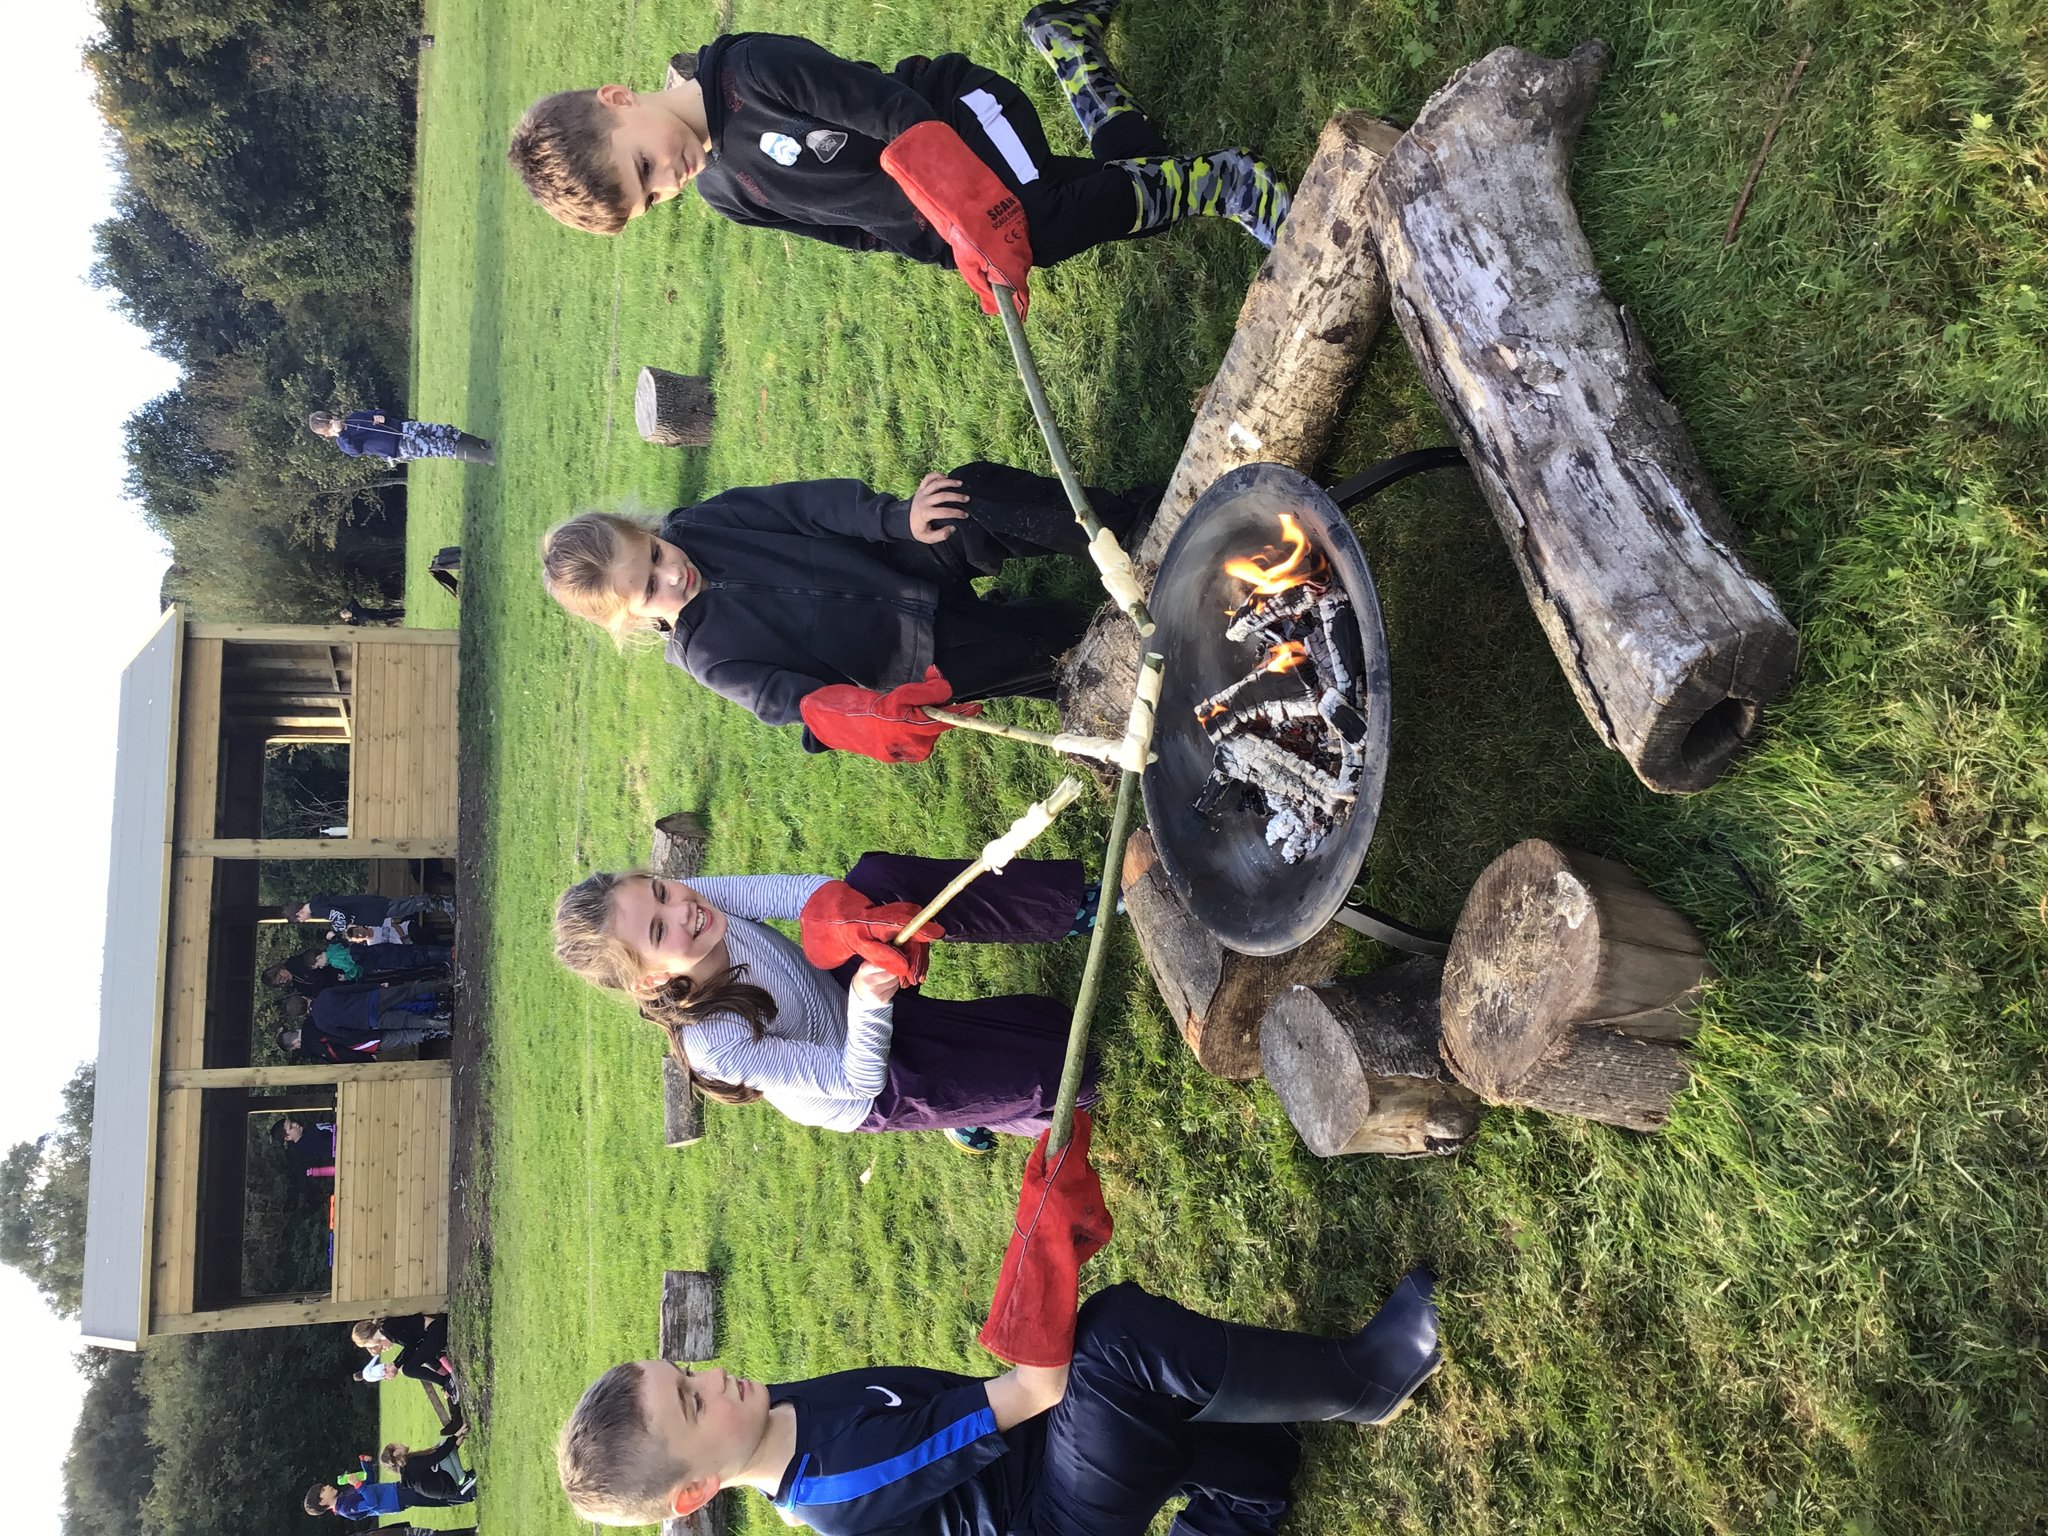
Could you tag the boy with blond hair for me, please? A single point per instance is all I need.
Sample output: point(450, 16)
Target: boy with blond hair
point(939, 159)
point(1103, 1419)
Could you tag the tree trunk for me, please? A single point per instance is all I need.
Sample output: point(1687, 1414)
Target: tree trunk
point(1671, 643)
point(673, 410)
point(1356, 1065)
point(1217, 996)
point(680, 839)
point(1567, 983)
point(682, 1112)
point(1302, 335)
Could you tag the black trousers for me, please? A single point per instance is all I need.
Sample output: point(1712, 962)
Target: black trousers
point(1120, 1443)
point(1074, 202)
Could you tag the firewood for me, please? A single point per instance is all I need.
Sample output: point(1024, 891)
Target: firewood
point(1356, 1065)
point(1567, 987)
point(1216, 996)
point(1671, 643)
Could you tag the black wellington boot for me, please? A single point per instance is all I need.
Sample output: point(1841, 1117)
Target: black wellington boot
point(474, 450)
point(1274, 1377)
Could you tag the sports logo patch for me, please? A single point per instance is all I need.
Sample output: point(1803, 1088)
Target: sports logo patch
point(825, 142)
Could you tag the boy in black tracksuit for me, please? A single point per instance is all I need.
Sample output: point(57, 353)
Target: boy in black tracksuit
point(779, 133)
point(1146, 1400)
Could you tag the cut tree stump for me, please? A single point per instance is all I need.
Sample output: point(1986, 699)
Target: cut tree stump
point(1672, 644)
point(1216, 996)
point(673, 410)
point(1302, 336)
point(1356, 1065)
point(689, 1335)
point(678, 853)
point(1567, 988)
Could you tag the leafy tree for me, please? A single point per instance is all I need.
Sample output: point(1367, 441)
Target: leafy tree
point(111, 1464)
point(42, 1200)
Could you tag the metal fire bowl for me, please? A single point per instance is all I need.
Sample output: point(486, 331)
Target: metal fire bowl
point(1237, 887)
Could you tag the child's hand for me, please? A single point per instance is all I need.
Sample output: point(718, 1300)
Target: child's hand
point(936, 508)
point(872, 984)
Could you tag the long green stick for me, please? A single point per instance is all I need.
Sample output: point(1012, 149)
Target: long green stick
point(1137, 742)
point(1111, 562)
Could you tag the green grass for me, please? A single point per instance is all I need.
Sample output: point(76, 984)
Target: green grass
point(1815, 1303)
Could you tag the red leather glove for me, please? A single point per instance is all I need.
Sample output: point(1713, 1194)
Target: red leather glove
point(1061, 1221)
point(890, 727)
point(838, 923)
point(968, 205)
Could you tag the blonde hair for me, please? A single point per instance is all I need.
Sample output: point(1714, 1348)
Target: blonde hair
point(576, 560)
point(585, 944)
point(562, 150)
point(366, 1330)
point(612, 1469)
point(394, 1454)
point(319, 421)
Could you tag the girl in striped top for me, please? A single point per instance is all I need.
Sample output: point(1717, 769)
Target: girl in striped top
point(849, 1048)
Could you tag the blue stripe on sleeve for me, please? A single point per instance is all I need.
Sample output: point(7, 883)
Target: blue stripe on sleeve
point(841, 1487)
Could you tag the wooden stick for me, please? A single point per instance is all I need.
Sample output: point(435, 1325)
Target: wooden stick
point(1138, 743)
point(998, 851)
point(1770, 133)
point(1100, 748)
point(1111, 563)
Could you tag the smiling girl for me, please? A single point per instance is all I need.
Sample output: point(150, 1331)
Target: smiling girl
point(823, 1032)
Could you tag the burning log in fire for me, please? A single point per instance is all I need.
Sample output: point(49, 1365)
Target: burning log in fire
point(1296, 756)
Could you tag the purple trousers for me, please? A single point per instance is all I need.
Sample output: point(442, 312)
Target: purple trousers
point(992, 1062)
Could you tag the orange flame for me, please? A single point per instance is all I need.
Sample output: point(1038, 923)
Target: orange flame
point(1264, 582)
point(1286, 657)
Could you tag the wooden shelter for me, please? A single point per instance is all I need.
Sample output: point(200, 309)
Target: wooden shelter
point(201, 707)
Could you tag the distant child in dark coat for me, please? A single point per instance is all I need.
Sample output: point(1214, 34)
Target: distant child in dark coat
point(377, 434)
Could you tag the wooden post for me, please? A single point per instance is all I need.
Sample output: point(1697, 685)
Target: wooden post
point(1670, 641)
point(1566, 987)
point(680, 839)
point(1356, 1065)
point(1307, 323)
point(682, 1112)
point(1215, 995)
point(689, 1334)
point(673, 410)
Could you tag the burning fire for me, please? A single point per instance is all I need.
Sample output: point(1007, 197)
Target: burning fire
point(1285, 657)
point(1265, 582)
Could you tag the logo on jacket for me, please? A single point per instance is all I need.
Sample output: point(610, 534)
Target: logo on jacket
point(887, 1396)
point(825, 142)
point(780, 148)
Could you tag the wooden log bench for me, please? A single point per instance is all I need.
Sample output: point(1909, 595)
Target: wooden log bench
point(677, 852)
point(688, 1336)
point(1357, 1066)
point(1568, 988)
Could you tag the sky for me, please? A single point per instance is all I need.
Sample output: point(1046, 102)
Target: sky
point(84, 598)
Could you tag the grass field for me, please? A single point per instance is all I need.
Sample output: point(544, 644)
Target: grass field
point(1818, 1301)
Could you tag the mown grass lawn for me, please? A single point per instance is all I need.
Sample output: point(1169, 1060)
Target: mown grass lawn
point(1817, 1302)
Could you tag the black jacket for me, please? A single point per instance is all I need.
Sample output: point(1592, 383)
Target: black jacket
point(342, 909)
point(797, 135)
point(804, 584)
point(355, 1011)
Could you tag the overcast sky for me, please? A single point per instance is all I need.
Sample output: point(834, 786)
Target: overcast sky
point(86, 572)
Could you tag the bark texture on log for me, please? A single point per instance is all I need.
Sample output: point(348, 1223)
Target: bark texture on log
point(1671, 643)
point(680, 839)
point(689, 1334)
point(673, 410)
point(682, 1112)
point(1356, 1065)
point(1302, 335)
point(1567, 986)
point(1215, 995)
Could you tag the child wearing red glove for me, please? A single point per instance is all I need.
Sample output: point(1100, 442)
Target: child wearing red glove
point(939, 159)
point(835, 1033)
point(1151, 1401)
point(833, 604)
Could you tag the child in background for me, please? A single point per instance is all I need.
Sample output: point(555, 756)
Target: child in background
point(437, 1473)
point(834, 1033)
point(838, 605)
point(390, 437)
point(421, 1339)
point(939, 160)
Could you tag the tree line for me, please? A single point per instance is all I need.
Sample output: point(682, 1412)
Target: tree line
point(262, 237)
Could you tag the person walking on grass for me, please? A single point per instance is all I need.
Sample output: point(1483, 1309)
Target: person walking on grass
point(939, 159)
point(388, 436)
point(834, 1032)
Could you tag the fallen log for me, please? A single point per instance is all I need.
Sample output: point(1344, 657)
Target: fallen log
point(688, 1335)
point(1671, 643)
point(1302, 335)
point(1356, 1065)
point(1216, 996)
point(1567, 988)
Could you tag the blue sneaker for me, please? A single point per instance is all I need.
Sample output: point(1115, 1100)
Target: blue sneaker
point(974, 1141)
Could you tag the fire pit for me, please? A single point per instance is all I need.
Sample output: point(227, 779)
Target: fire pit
point(1274, 721)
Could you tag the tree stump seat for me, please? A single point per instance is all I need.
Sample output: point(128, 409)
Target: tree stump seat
point(689, 1335)
point(673, 410)
point(677, 853)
